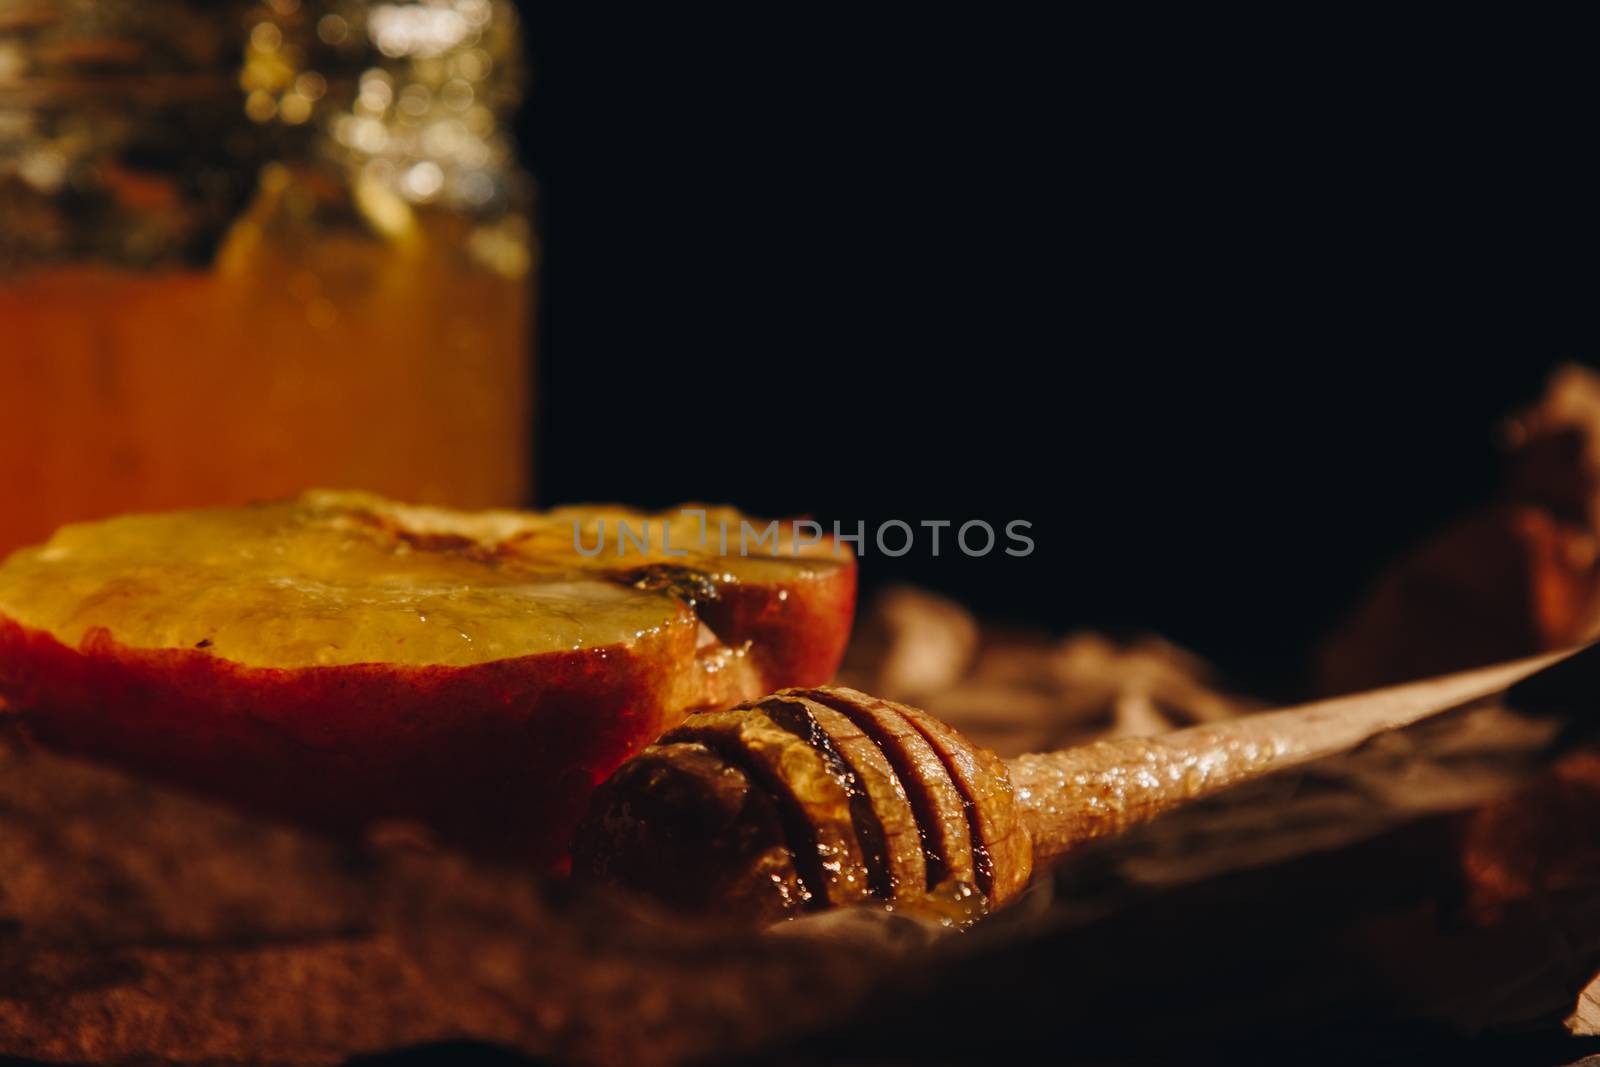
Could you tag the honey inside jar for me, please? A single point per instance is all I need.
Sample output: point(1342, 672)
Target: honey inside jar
point(204, 300)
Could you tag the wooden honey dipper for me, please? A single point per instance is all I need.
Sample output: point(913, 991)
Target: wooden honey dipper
point(812, 798)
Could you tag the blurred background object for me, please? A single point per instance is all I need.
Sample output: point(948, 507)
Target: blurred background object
point(247, 248)
point(1015, 690)
point(1518, 573)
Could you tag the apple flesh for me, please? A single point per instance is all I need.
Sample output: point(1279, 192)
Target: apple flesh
point(341, 659)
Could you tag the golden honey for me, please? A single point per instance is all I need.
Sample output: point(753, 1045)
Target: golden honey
point(211, 296)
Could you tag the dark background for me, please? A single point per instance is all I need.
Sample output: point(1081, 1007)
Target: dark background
point(1230, 313)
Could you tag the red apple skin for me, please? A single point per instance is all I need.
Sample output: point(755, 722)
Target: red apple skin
point(795, 630)
point(497, 757)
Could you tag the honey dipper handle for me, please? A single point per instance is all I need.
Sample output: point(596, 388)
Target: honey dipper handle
point(1078, 794)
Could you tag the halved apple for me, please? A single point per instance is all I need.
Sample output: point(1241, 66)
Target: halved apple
point(341, 658)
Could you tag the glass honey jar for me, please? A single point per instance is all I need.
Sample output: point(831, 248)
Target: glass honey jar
point(249, 248)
